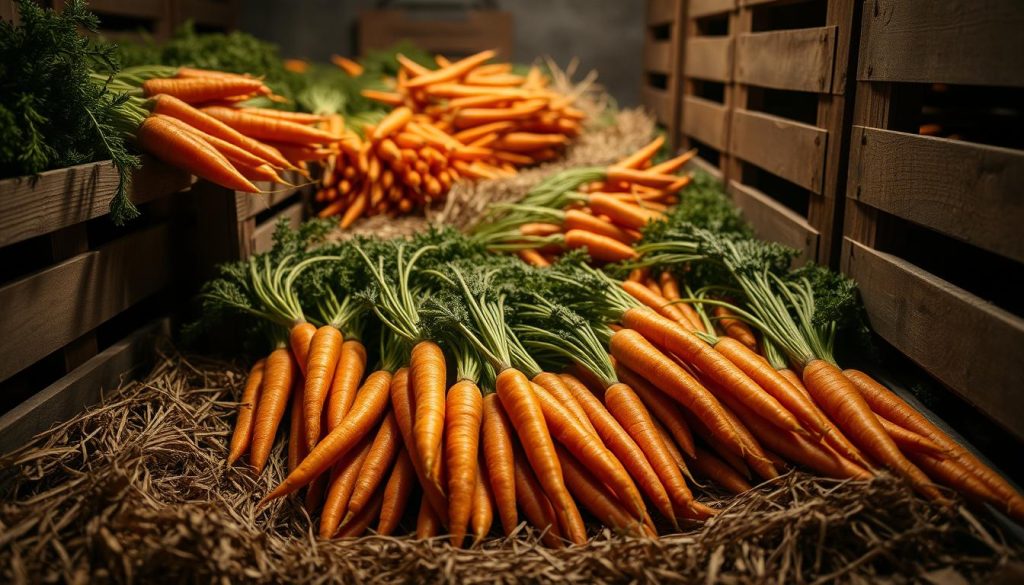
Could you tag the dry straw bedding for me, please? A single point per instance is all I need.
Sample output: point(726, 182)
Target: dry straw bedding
point(136, 490)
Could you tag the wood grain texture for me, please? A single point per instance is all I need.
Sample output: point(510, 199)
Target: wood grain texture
point(81, 388)
point(47, 310)
point(252, 204)
point(975, 42)
point(658, 56)
point(709, 58)
point(706, 121)
point(34, 206)
point(703, 8)
point(263, 234)
point(659, 102)
point(968, 191)
point(774, 221)
point(791, 150)
point(798, 60)
point(966, 343)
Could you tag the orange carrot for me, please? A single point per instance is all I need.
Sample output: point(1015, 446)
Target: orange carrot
point(242, 436)
point(345, 384)
point(535, 504)
point(638, 158)
point(201, 89)
point(909, 441)
point(483, 505)
point(384, 97)
point(735, 328)
point(379, 460)
point(646, 178)
point(263, 128)
point(705, 464)
point(464, 413)
point(533, 258)
point(392, 123)
point(278, 377)
point(165, 140)
point(600, 247)
point(427, 380)
point(359, 523)
point(595, 497)
point(453, 71)
point(558, 389)
point(321, 363)
point(498, 457)
point(349, 66)
point(661, 406)
point(297, 117)
point(672, 165)
point(396, 494)
point(341, 484)
point(654, 300)
point(670, 290)
point(297, 450)
point(621, 212)
point(575, 219)
point(428, 525)
point(402, 404)
point(299, 338)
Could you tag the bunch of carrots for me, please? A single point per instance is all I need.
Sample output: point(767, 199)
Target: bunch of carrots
point(465, 119)
point(574, 393)
point(196, 119)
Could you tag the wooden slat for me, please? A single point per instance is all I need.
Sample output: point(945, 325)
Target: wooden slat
point(263, 236)
point(252, 204)
point(658, 56)
point(705, 120)
point(659, 102)
point(661, 12)
point(709, 58)
point(703, 8)
point(968, 191)
point(81, 388)
point(774, 221)
point(46, 310)
point(149, 9)
point(207, 12)
point(476, 31)
point(798, 60)
point(698, 163)
point(791, 150)
point(975, 42)
point(970, 345)
point(34, 206)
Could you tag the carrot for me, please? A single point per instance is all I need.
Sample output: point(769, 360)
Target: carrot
point(297, 117)
point(427, 380)
point(638, 158)
point(263, 128)
point(646, 178)
point(952, 474)
point(453, 71)
point(517, 141)
point(672, 165)
point(299, 338)
point(469, 117)
point(708, 466)
point(587, 448)
point(527, 417)
point(637, 354)
point(498, 459)
point(378, 461)
point(661, 406)
point(533, 258)
point(670, 444)
point(539, 229)
point(242, 435)
point(201, 89)
point(735, 328)
point(368, 409)
point(670, 290)
point(654, 300)
point(834, 437)
point(600, 247)
point(428, 525)
point(392, 123)
point(621, 444)
point(278, 377)
point(891, 406)
point(911, 442)
point(396, 494)
point(349, 66)
point(464, 410)
point(402, 404)
point(170, 144)
point(470, 134)
point(297, 450)
point(840, 400)
point(359, 523)
point(755, 455)
point(237, 155)
point(535, 504)
point(191, 72)
point(483, 505)
point(671, 337)
point(341, 484)
point(345, 384)
point(321, 363)
point(384, 97)
point(560, 391)
point(629, 410)
point(621, 212)
point(575, 219)
point(595, 496)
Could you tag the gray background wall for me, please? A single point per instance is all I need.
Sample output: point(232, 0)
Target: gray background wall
point(606, 35)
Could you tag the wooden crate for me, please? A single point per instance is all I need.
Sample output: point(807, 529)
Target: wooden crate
point(132, 20)
point(660, 85)
point(70, 281)
point(706, 80)
point(452, 33)
point(786, 130)
point(206, 15)
point(932, 227)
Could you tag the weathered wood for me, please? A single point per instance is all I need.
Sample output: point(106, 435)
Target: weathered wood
point(709, 58)
point(263, 235)
point(45, 311)
point(703, 8)
point(798, 60)
point(211, 13)
point(706, 121)
point(698, 163)
point(791, 150)
point(661, 11)
point(973, 42)
point(968, 191)
point(659, 101)
point(34, 206)
point(252, 204)
point(774, 221)
point(966, 343)
point(658, 56)
point(81, 388)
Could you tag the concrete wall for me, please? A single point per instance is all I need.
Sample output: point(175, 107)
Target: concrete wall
point(606, 35)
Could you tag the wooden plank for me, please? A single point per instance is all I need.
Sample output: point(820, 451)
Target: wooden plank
point(34, 206)
point(791, 150)
point(705, 120)
point(966, 343)
point(967, 191)
point(81, 388)
point(474, 31)
point(263, 235)
point(798, 60)
point(973, 42)
point(659, 102)
point(47, 310)
point(709, 58)
point(774, 221)
point(698, 163)
point(703, 8)
point(661, 12)
point(252, 204)
point(146, 9)
point(221, 14)
point(658, 56)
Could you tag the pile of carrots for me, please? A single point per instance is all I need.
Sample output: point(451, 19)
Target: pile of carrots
point(466, 119)
point(195, 119)
point(573, 392)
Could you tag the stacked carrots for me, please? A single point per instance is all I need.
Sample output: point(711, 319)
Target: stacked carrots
point(576, 394)
point(467, 119)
